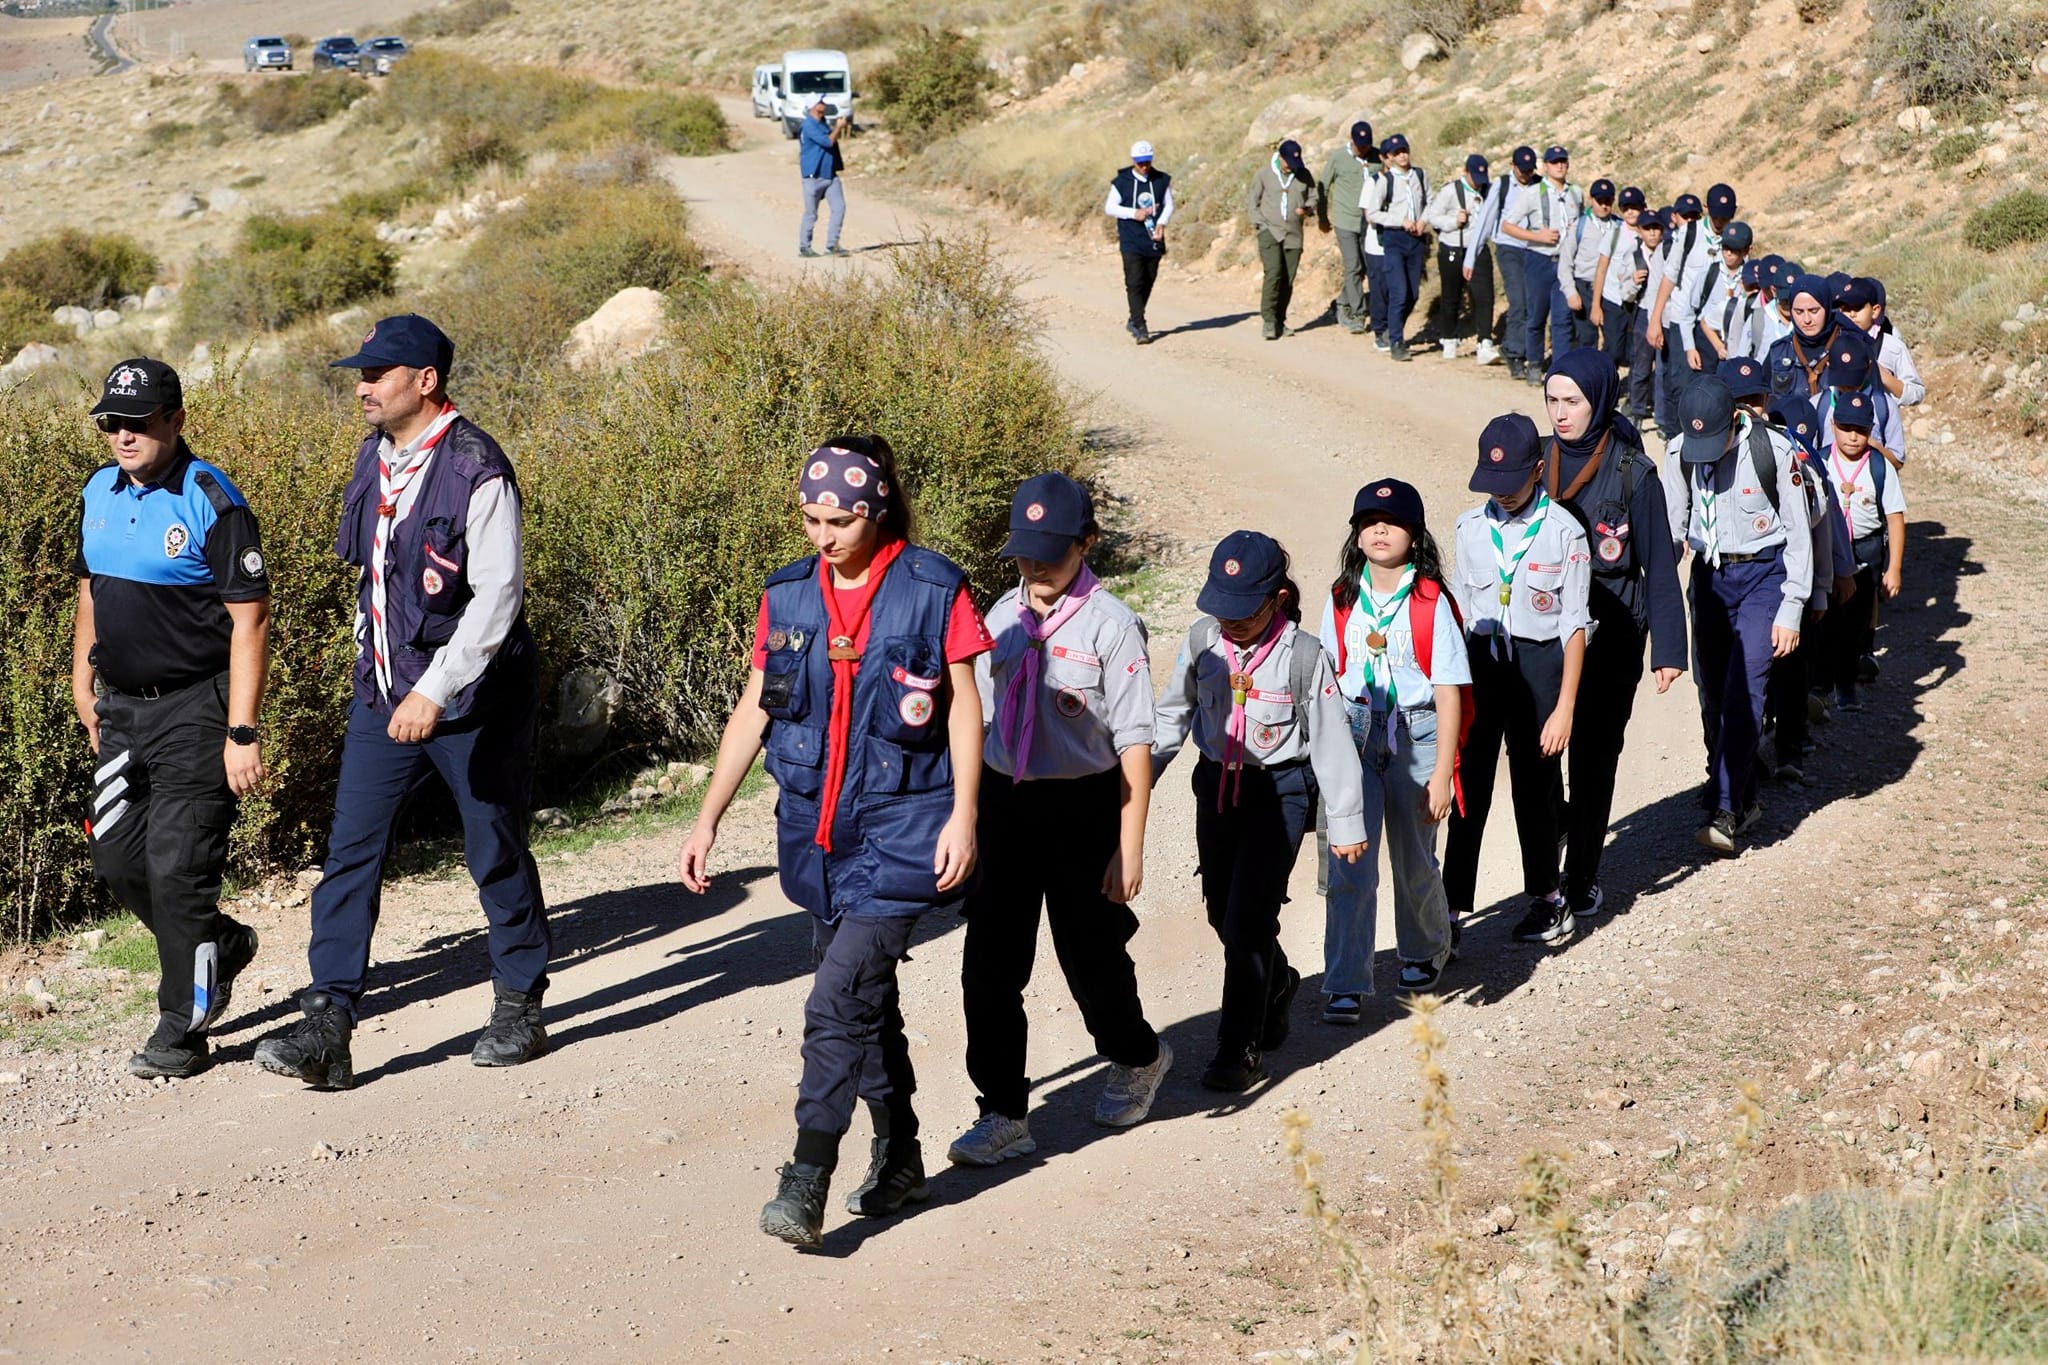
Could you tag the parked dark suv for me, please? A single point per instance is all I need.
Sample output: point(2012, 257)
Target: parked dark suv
point(340, 53)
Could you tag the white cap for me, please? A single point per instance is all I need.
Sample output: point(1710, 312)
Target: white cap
point(1141, 150)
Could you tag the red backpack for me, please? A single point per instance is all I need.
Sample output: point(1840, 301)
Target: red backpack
point(1422, 626)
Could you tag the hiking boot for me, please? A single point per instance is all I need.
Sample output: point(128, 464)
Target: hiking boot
point(895, 1178)
point(1342, 1009)
point(170, 1051)
point(797, 1212)
point(1549, 923)
point(1718, 834)
point(237, 949)
point(513, 1034)
point(316, 1048)
point(1235, 1070)
point(1279, 1012)
point(990, 1139)
point(1128, 1096)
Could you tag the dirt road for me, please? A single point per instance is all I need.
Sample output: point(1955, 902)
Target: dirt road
point(601, 1202)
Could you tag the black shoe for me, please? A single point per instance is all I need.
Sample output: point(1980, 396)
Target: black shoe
point(237, 949)
point(1587, 904)
point(316, 1048)
point(1866, 668)
point(797, 1212)
point(837, 251)
point(513, 1033)
point(1418, 978)
point(805, 251)
point(1235, 1070)
point(1280, 1012)
point(1137, 332)
point(1457, 935)
point(1517, 369)
point(1718, 834)
point(1403, 353)
point(895, 1178)
point(1547, 923)
point(170, 1051)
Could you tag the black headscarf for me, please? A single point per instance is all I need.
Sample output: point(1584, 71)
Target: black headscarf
point(1597, 378)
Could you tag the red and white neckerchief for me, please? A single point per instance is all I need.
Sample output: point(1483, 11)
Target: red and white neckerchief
point(391, 485)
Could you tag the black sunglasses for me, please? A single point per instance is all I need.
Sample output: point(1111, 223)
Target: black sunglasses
point(112, 422)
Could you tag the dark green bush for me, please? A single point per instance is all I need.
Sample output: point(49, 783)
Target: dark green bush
point(849, 29)
point(932, 85)
point(2021, 216)
point(456, 19)
point(1945, 52)
point(688, 123)
point(86, 269)
point(284, 269)
point(386, 201)
point(286, 106)
point(1460, 129)
point(1954, 150)
point(23, 319)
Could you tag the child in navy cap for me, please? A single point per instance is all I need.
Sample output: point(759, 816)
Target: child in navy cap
point(1874, 518)
point(1259, 697)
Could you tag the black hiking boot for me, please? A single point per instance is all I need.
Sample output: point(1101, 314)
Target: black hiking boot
point(513, 1033)
point(1280, 1012)
point(1235, 1069)
point(895, 1178)
point(170, 1051)
point(316, 1048)
point(797, 1212)
point(237, 949)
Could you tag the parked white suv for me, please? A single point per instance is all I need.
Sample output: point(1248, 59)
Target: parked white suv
point(266, 54)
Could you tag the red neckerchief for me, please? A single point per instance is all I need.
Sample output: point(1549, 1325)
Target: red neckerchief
point(842, 641)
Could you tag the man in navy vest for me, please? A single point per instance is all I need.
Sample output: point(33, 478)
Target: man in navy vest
point(1141, 201)
point(446, 680)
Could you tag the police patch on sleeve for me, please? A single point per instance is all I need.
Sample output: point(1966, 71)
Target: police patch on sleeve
point(252, 563)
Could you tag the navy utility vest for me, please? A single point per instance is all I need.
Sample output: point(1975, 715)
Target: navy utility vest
point(898, 792)
point(1604, 507)
point(1135, 238)
point(427, 568)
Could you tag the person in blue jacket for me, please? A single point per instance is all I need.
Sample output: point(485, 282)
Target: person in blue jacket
point(819, 162)
point(862, 691)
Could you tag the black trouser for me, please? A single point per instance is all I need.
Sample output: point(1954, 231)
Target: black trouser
point(1616, 330)
point(1477, 292)
point(1851, 629)
point(1607, 698)
point(854, 1045)
point(1511, 700)
point(1141, 272)
point(1089, 930)
point(1643, 361)
point(160, 819)
point(1790, 681)
point(1247, 852)
point(1513, 272)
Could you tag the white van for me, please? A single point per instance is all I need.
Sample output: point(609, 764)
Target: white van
point(808, 74)
point(768, 91)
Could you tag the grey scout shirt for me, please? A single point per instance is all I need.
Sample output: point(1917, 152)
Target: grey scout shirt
point(1343, 183)
point(1197, 701)
point(1094, 697)
point(1742, 521)
point(1548, 599)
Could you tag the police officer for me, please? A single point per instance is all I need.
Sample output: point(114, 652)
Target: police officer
point(167, 665)
point(1752, 574)
point(1343, 198)
point(446, 679)
point(1141, 201)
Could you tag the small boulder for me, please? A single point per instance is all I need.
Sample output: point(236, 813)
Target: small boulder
point(27, 360)
point(129, 303)
point(1918, 120)
point(627, 325)
point(159, 297)
point(223, 200)
point(1418, 48)
point(183, 204)
point(105, 318)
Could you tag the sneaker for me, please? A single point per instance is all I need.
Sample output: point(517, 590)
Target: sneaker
point(1403, 353)
point(1342, 1009)
point(1280, 1012)
point(1750, 817)
point(1380, 342)
point(316, 1048)
point(837, 251)
point(1144, 335)
point(1235, 1070)
point(1817, 710)
point(805, 252)
point(1128, 1096)
point(1866, 668)
point(513, 1033)
point(170, 1051)
point(992, 1138)
point(895, 1178)
point(1489, 354)
point(1272, 333)
point(1846, 698)
point(797, 1212)
point(237, 949)
point(1518, 368)
point(1137, 332)
point(1450, 350)
point(1355, 327)
point(1718, 834)
point(1587, 904)
point(1549, 922)
point(1418, 978)
point(1535, 374)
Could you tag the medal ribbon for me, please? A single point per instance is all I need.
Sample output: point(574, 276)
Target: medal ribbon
point(844, 655)
point(1381, 620)
point(1241, 670)
point(1847, 478)
point(391, 485)
point(1504, 563)
point(1017, 718)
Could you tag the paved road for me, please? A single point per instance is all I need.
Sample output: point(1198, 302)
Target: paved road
point(102, 40)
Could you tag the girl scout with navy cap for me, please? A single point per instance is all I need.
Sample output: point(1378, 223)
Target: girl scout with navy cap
point(1067, 698)
point(1522, 577)
point(861, 692)
point(1260, 698)
point(1874, 522)
point(1400, 651)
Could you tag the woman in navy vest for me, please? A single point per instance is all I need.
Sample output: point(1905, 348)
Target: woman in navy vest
point(859, 653)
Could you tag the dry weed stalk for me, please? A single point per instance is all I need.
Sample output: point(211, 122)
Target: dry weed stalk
point(1354, 1272)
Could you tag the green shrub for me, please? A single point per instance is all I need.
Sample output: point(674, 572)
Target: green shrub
point(848, 30)
point(1162, 36)
point(1448, 21)
point(1944, 52)
point(23, 319)
point(1460, 129)
point(284, 269)
point(386, 202)
point(1954, 150)
point(286, 106)
point(932, 85)
point(83, 268)
point(457, 19)
point(2021, 216)
point(688, 123)
point(1817, 11)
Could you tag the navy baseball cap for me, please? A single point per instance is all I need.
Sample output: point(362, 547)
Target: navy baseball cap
point(1390, 498)
point(1876, 288)
point(1361, 133)
point(1795, 413)
point(1856, 294)
point(1789, 272)
point(1290, 156)
point(1744, 377)
point(1737, 237)
point(1556, 154)
point(1476, 168)
point(1246, 569)
point(1687, 204)
point(1049, 514)
point(1508, 450)
point(1835, 282)
point(1602, 191)
point(1632, 198)
point(1651, 218)
point(1721, 201)
point(1752, 275)
point(138, 388)
point(1705, 412)
point(408, 340)
point(1855, 410)
point(1394, 143)
point(1525, 158)
point(1848, 363)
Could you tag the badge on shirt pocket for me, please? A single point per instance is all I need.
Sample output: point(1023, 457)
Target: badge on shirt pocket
point(916, 709)
point(175, 540)
point(1070, 703)
point(1543, 601)
point(430, 579)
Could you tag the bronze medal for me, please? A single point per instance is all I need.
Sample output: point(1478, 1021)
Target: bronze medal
point(841, 649)
point(1240, 682)
point(1376, 641)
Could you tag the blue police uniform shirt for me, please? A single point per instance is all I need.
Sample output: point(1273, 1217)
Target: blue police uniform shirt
point(163, 560)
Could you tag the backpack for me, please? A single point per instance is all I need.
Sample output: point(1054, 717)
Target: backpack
point(1421, 190)
point(1763, 462)
point(1422, 601)
point(1301, 663)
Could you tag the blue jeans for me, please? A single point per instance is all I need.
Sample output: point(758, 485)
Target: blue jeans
point(1403, 273)
point(1733, 610)
point(1513, 262)
point(825, 188)
point(1397, 777)
point(1543, 303)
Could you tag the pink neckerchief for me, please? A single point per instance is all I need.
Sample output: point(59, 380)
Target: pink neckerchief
point(1018, 716)
point(1241, 671)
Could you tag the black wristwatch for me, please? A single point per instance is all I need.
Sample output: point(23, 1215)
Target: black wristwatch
point(241, 734)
